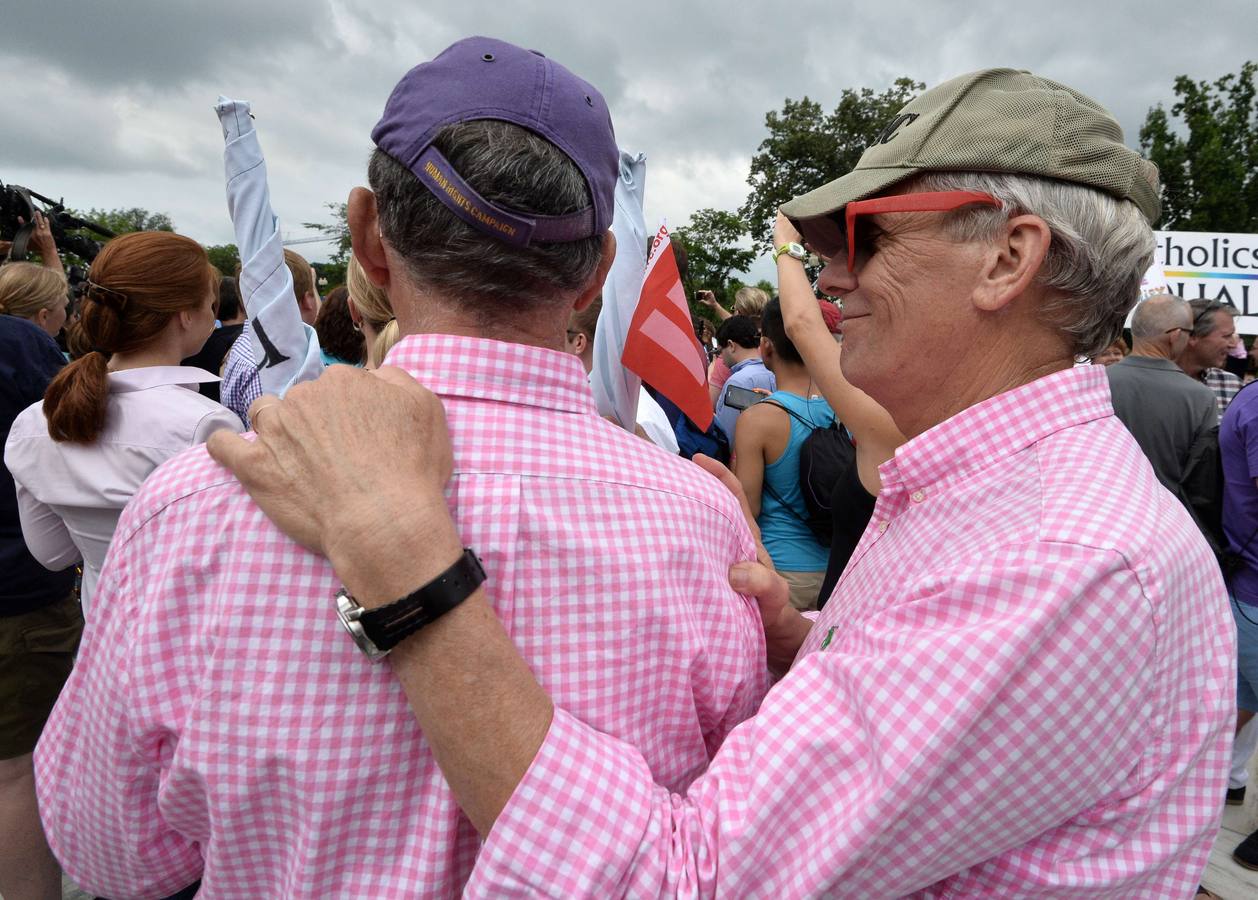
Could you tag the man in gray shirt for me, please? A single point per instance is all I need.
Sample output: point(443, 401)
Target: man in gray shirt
point(1174, 418)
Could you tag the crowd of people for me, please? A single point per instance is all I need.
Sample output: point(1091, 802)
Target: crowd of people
point(961, 598)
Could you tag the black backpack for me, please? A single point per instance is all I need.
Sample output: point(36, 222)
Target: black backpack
point(824, 457)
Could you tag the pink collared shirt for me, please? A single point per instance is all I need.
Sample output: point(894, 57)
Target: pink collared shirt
point(220, 724)
point(1023, 685)
point(71, 495)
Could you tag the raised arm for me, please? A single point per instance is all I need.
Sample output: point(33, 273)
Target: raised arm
point(286, 349)
point(875, 433)
point(44, 243)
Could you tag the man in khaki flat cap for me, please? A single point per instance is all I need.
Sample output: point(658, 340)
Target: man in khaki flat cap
point(1023, 682)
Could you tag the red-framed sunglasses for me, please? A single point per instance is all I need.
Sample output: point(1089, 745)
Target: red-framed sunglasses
point(828, 237)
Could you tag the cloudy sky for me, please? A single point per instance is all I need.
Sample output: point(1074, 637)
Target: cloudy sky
point(108, 104)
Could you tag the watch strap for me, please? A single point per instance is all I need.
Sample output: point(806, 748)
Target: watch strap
point(792, 249)
point(387, 626)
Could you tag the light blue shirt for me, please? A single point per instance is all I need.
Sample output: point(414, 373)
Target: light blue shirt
point(750, 374)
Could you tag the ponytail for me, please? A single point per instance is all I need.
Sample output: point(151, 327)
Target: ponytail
point(383, 343)
point(76, 401)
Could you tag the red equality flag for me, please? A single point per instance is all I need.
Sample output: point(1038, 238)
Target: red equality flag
point(661, 346)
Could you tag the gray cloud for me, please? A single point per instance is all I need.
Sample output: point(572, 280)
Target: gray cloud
point(114, 108)
point(155, 42)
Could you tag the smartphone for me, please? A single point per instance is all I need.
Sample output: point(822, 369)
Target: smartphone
point(741, 398)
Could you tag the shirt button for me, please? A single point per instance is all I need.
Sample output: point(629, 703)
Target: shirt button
point(882, 527)
point(917, 496)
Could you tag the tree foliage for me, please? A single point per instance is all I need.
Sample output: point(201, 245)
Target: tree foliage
point(712, 243)
point(1207, 152)
point(337, 230)
point(330, 274)
point(224, 257)
point(125, 221)
point(807, 148)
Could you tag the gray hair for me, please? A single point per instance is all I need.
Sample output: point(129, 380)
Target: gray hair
point(509, 166)
point(1101, 246)
point(1205, 315)
point(1157, 315)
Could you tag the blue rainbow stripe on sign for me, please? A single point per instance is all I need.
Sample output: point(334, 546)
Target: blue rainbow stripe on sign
point(1229, 276)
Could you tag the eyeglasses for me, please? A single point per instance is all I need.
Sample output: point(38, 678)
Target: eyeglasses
point(830, 238)
point(1178, 328)
point(931, 201)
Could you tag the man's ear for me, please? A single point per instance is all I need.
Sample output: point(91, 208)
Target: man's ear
point(364, 233)
point(1012, 261)
point(595, 287)
point(579, 343)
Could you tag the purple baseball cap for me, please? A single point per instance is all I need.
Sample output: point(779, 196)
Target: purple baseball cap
point(484, 78)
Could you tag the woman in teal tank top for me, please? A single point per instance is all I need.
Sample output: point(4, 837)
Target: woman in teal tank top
point(767, 444)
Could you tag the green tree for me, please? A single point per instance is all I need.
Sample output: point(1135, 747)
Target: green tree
point(337, 230)
point(224, 257)
point(330, 274)
point(125, 221)
point(1207, 152)
point(712, 242)
point(807, 148)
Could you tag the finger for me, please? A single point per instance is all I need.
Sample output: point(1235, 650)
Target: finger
point(239, 456)
point(767, 586)
point(266, 401)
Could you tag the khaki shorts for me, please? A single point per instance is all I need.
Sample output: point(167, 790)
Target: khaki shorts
point(36, 654)
point(805, 586)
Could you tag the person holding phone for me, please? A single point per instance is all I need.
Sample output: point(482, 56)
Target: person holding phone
point(749, 302)
point(739, 340)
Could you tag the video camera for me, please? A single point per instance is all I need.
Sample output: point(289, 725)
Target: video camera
point(19, 202)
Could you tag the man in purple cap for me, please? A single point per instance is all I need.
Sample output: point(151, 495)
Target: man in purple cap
point(220, 724)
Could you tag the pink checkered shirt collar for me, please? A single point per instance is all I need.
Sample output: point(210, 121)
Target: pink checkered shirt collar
point(999, 427)
point(482, 369)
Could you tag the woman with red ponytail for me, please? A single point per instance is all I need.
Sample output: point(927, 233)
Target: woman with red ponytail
point(115, 414)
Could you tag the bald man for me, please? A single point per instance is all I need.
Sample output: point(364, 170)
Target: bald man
point(1173, 417)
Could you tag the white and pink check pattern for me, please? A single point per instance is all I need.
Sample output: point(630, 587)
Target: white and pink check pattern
point(221, 724)
point(1027, 690)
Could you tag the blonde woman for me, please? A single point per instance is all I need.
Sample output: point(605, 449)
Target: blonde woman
point(371, 313)
point(34, 293)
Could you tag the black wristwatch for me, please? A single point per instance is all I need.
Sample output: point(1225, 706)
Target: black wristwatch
point(377, 631)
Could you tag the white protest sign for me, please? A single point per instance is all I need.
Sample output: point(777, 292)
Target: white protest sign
point(1207, 265)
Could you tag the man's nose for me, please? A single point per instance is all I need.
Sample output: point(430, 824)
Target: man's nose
point(835, 279)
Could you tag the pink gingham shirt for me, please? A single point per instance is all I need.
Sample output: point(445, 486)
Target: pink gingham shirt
point(221, 724)
point(1022, 686)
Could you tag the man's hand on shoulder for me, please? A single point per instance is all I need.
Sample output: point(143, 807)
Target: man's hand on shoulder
point(348, 465)
point(784, 628)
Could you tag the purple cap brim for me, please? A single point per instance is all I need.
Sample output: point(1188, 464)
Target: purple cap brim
point(436, 174)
